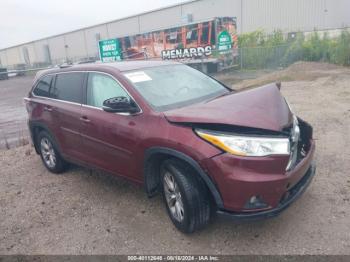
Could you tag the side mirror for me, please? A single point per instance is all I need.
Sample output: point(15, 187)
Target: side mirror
point(279, 85)
point(120, 104)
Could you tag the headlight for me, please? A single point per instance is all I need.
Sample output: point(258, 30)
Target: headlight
point(246, 145)
point(290, 108)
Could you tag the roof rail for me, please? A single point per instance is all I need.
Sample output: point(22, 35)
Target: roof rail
point(64, 65)
point(91, 61)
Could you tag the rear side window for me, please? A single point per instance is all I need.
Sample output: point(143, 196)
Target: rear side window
point(43, 86)
point(68, 87)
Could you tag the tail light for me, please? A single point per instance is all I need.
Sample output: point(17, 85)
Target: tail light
point(28, 105)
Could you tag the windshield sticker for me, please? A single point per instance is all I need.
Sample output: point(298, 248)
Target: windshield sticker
point(137, 77)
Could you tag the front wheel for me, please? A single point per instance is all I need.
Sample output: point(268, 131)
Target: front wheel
point(186, 196)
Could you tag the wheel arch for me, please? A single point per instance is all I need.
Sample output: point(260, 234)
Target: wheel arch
point(155, 155)
point(35, 128)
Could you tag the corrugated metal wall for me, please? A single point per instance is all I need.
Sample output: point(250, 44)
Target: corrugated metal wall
point(288, 15)
point(295, 15)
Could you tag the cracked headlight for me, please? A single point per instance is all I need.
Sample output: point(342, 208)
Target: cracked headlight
point(247, 145)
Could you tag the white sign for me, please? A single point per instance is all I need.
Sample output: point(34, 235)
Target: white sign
point(187, 52)
point(139, 76)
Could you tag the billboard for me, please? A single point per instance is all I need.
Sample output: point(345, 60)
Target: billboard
point(191, 41)
point(213, 38)
point(110, 50)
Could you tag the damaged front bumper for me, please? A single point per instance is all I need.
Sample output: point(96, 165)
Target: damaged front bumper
point(260, 187)
point(293, 194)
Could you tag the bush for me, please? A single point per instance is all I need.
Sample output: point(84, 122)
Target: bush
point(317, 48)
point(261, 50)
point(340, 50)
point(295, 51)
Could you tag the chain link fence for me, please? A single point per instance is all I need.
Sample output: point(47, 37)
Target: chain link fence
point(284, 55)
point(265, 57)
point(316, 47)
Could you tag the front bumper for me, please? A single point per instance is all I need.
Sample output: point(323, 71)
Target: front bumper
point(241, 178)
point(294, 193)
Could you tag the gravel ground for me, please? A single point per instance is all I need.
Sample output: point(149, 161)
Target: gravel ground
point(86, 212)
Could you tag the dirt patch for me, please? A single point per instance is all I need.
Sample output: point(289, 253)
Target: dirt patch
point(232, 77)
point(301, 71)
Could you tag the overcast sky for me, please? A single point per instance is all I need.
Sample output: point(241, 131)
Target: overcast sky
point(23, 21)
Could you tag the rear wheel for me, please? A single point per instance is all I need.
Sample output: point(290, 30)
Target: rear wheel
point(49, 154)
point(186, 196)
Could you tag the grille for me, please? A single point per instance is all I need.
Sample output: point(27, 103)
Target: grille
point(294, 142)
point(300, 135)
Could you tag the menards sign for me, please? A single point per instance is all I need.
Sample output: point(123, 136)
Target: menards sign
point(183, 53)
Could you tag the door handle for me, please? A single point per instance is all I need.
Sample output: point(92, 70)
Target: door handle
point(85, 119)
point(48, 108)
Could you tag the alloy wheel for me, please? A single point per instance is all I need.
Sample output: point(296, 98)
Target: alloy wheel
point(48, 152)
point(173, 197)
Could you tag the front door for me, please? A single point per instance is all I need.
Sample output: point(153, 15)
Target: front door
point(108, 139)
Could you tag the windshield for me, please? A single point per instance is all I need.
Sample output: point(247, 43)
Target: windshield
point(174, 86)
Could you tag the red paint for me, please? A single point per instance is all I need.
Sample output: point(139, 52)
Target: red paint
point(262, 107)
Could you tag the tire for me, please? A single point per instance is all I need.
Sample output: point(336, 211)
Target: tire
point(49, 154)
point(188, 202)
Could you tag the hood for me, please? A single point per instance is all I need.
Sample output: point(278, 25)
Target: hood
point(263, 107)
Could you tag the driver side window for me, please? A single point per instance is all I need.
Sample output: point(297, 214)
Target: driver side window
point(101, 87)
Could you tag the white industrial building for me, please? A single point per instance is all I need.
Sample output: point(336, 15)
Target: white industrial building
point(287, 15)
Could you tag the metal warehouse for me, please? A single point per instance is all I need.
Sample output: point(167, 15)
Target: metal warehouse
point(249, 15)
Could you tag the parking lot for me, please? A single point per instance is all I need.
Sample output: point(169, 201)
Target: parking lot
point(13, 127)
point(87, 212)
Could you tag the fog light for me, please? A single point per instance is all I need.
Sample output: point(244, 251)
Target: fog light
point(255, 202)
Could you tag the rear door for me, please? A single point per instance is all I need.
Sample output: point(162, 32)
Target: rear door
point(41, 107)
point(67, 91)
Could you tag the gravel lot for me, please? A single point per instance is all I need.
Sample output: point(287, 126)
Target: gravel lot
point(85, 212)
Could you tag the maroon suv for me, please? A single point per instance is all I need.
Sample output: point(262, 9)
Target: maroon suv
point(175, 130)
